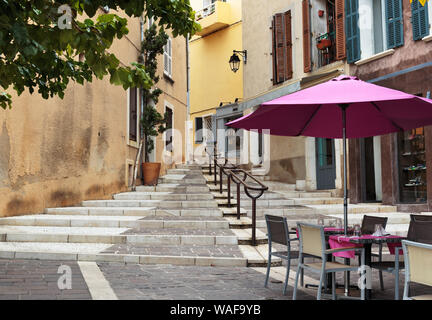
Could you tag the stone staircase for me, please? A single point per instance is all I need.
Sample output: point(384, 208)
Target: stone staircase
point(179, 222)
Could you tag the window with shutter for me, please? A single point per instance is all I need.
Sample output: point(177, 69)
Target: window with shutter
point(340, 29)
point(419, 19)
point(279, 48)
point(288, 46)
point(352, 31)
point(198, 130)
point(394, 23)
point(306, 37)
point(168, 58)
point(133, 114)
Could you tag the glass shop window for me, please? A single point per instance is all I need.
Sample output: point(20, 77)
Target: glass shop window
point(412, 166)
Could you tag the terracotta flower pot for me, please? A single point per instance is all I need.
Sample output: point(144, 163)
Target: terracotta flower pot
point(151, 172)
point(324, 43)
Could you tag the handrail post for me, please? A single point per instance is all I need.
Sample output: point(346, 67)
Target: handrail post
point(215, 174)
point(254, 221)
point(210, 165)
point(220, 179)
point(229, 191)
point(238, 201)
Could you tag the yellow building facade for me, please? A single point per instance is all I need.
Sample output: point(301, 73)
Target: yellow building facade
point(212, 82)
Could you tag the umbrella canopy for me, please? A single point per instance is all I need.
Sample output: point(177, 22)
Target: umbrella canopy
point(371, 110)
point(344, 107)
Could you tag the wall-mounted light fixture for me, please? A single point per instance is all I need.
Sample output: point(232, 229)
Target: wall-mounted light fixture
point(235, 60)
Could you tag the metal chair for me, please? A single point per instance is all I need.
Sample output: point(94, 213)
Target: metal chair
point(312, 242)
point(368, 227)
point(418, 264)
point(278, 232)
point(419, 230)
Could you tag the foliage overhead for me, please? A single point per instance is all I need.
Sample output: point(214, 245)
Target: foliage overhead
point(36, 54)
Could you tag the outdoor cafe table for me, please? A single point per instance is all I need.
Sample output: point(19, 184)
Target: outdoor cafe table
point(365, 241)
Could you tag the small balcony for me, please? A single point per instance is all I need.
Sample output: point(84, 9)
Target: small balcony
point(214, 17)
point(325, 44)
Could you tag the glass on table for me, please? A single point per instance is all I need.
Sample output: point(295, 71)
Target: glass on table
point(339, 224)
point(320, 221)
point(357, 229)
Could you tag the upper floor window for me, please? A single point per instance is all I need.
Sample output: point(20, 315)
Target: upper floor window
point(373, 26)
point(282, 47)
point(420, 19)
point(168, 58)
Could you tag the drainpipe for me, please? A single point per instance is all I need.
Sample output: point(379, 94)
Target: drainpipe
point(188, 143)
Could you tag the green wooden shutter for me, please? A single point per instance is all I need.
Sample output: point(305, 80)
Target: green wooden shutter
point(394, 23)
point(420, 20)
point(352, 31)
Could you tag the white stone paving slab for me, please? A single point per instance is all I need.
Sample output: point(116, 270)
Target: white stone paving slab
point(62, 230)
point(75, 248)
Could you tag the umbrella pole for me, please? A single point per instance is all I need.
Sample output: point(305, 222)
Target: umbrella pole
point(343, 107)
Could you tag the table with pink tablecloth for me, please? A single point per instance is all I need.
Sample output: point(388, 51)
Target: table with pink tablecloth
point(342, 241)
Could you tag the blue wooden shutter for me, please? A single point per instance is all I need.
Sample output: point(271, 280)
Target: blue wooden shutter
point(352, 31)
point(394, 23)
point(420, 20)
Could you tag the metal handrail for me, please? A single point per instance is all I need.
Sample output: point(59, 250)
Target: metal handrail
point(232, 172)
point(247, 187)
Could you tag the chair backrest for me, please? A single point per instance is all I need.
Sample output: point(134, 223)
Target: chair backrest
point(369, 222)
point(420, 231)
point(416, 218)
point(312, 240)
point(277, 229)
point(418, 262)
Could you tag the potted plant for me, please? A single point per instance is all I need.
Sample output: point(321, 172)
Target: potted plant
point(152, 123)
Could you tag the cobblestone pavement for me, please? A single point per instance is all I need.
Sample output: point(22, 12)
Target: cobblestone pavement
point(191, 283)
point(174, 250)
point(37, 280)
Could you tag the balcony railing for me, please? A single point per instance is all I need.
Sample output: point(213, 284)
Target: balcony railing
point(325, 44)
point(213, 17)
point(206, 11)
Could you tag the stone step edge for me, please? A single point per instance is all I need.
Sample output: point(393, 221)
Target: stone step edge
point(129, 258)
point(121, 239)
point(100, 223)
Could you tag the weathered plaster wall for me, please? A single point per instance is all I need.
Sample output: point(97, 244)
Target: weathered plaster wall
point(59, 152)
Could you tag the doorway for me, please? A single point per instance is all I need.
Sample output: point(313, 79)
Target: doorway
point(325, 163)
point(370, 169)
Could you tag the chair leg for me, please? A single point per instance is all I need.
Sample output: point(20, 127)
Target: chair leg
point(296, 282)
point(381, 280)
point(334, 286)
point(268, 271)
point(287, 276)
point(396, 284)
point(322, 276)
point(302, 275)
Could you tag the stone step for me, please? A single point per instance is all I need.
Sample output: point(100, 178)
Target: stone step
point(242, 223)
point(173, 187)
point(282, 211)
point(263, 204)
point(314, 201)
point(303, 194)
point(104, 211)
point(181, 179)
point(162, 196)
point(191, 212)
point(150, 203)
point(109, 222)
point(216, 188)
point(352, 208)
point(107, 235)
point(244, 196)
point(244, 236)
point(183, 171)
point(232, 212)
point(79, 252)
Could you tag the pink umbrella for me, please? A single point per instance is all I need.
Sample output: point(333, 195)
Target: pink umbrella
point(344, 107)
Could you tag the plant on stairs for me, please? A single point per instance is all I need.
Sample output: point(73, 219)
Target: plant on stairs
point(152, 123)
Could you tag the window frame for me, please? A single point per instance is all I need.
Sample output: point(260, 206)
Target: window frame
point(167, 58)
